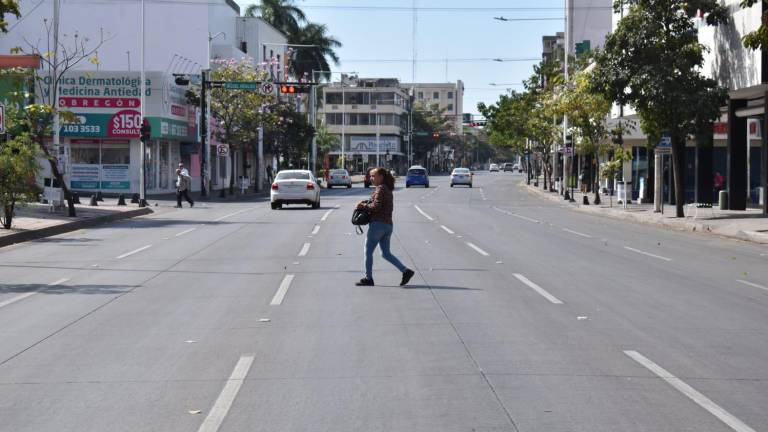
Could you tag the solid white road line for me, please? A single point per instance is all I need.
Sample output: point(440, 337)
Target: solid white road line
point(538, 289)
point(305, 249)
point(223, 403)
point(477, 249)
point(185, 232)
point(127, 254)
point(325, 216)
point(754, 285)
point(692, 393)
point(233, 214)
point(423, 213)
point(577, 233)
point(277, 300)
point(29, 294)
point(446, 229)
point(315, 230)
point(647, 254)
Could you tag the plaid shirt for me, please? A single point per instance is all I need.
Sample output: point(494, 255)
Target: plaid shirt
point(381, 205)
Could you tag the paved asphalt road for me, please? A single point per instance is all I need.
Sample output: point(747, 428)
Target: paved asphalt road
point(523, 316)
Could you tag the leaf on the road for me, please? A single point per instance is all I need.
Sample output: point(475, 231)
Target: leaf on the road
point(194, 411)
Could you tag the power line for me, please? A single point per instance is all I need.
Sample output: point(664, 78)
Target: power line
point(449, 9)
point(449, 60)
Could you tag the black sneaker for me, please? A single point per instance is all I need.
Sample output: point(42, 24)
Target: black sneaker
point(364, 282)
point(407, 275)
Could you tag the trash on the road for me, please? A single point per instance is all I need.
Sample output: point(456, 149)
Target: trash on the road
point(190, 341)
point(499, 262)
point(296, 263)
point(265, 320)
point(194, 411)
point(582, 318)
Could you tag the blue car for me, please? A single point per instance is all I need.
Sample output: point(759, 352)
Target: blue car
point(417, 176)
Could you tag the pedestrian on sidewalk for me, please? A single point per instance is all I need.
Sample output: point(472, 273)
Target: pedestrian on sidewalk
point(380, 208)
point(270, 176)
point(718, 183)
point(183, 181)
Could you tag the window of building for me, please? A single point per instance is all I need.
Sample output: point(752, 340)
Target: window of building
point(333, 98)
point(435, 95)
point(450, 95)
point(450, 107)
point(115, 154)
point(421, 95)
point(84, 153)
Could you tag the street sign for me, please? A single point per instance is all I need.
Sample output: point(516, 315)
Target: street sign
point(267, 88)
point(664, 146)
point(216, 84)
point(222, 150)
point(2, 119)
point(421, 133)
point(241, 85)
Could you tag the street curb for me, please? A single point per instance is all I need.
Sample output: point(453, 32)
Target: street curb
point(751, 236)
point(25, 236)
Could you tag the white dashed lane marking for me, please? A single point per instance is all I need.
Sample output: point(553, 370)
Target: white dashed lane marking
point(305, 249)
point(477, 249)
point(423, 213)
point(29, 294)
point(277, 300)
point(446, 229)
point(703, 401)
point(226, 398)
point(135, 251)
point(538, 289)
point(752, 284)
point(647, 253)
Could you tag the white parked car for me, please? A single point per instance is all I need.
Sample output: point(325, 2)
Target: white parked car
point(461, 176)
point(295, 187)
point(339, 177)
point(494, 168)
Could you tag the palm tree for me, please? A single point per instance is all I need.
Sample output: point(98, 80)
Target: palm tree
point(284, 15)
point(316, 57)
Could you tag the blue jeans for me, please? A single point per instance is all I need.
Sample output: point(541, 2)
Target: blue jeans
point(379, 234)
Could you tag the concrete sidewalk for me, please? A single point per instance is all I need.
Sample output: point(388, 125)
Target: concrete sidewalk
point(750, 225)
point(34, 221)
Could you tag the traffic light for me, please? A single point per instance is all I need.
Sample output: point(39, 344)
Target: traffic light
point(145, 130)
point(293, 88)
point(436, 136)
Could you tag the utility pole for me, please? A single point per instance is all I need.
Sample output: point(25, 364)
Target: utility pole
point(143, 108)
point(204, 137)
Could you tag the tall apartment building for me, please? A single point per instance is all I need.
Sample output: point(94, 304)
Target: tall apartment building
point(448, 96)
point(371, 120)
point(553, 47)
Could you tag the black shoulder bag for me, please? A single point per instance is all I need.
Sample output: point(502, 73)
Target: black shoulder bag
point(360, 217)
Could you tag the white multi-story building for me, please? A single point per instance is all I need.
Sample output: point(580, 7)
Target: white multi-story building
point(449, 97)
point(589, 22)
point(371, 120)
point(179, 37)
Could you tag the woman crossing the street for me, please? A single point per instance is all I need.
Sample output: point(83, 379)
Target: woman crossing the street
point(380, 208)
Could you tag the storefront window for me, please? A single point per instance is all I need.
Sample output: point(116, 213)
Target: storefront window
point(85, 153)
point(115, 154)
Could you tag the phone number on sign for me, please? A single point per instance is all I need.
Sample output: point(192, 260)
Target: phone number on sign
point(78, 128)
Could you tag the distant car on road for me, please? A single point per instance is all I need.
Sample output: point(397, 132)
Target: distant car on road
point(295, 187)
point(508, 167)
point(461, 176)
point(339, 177)
point(417, 176)
point(494, 168)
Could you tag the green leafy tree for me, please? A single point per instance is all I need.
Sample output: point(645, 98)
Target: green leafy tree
point(289, 135)
point(652, 62)
point(18, 170)
point(428, 120)
point(587, 113)
point(326, 141)
point(758, 38)
point(239, 112)
point(319, 47)
point(8, 7)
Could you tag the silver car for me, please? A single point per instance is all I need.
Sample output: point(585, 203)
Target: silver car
point(295, 187)
point(461, 176)
point(339, 177)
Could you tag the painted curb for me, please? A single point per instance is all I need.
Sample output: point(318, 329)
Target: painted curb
point(26, 236)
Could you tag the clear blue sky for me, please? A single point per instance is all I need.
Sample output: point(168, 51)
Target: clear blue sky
point(369, 34)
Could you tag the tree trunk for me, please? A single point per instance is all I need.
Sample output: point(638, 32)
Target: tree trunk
point(678, 147)
point(59, 177)
point(8, 215)
point(232, 176)
point(596, 174)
